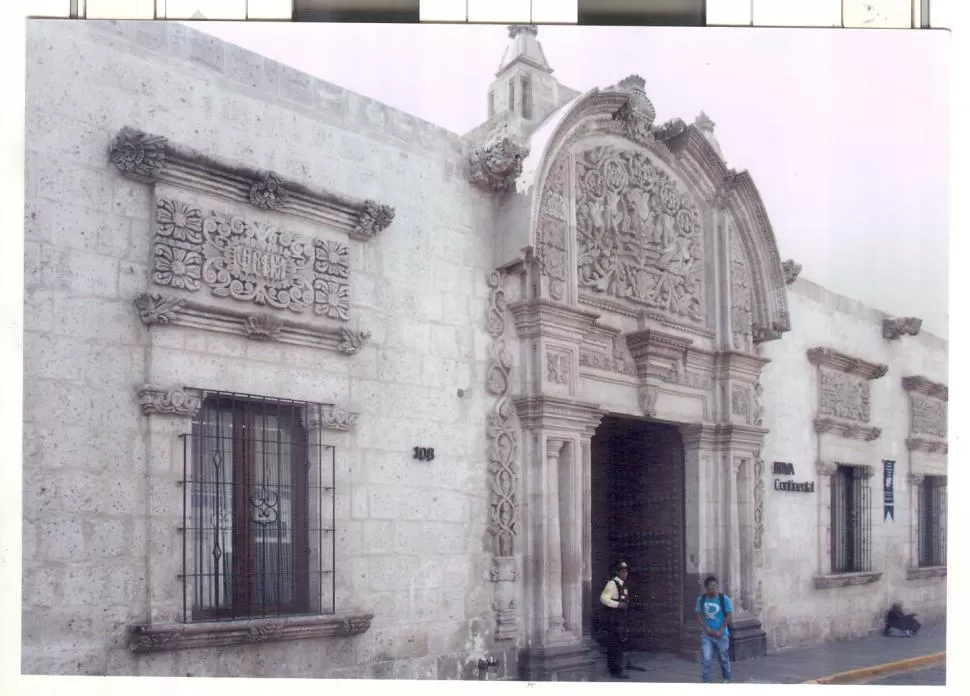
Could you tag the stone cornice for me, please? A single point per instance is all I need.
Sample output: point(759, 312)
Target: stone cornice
point(834, 360)
point(926, 444)
point(150, 638)
point(735, 363)
point(711, 435)
point(846, 429)
point(151, 158)
point(928, 572)
point(558, 414)
point(923, 385)
point(548, 319)
point(156, 309)
point(170, 402)
point(824, 582)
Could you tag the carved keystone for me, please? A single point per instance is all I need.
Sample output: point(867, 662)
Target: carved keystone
point(903, 326)
point(497, 163)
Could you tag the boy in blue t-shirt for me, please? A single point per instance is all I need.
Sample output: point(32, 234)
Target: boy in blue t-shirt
point(713, 612)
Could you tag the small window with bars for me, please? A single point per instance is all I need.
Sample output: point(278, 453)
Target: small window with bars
point(851, 520)
point(258, 511)
point(526, 97)
point(931, 527)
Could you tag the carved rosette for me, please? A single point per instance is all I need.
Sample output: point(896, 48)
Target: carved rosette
point(502, 455)
point(154, 308)
point(742, 333)
point(138, 155)
point(893, 329)
point(791, 271)
point(497, 163)
point(373, 218)
point(176, 402)
point(639, 235)
point(268, 192)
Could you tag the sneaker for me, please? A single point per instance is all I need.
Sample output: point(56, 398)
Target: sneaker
point(725, 681)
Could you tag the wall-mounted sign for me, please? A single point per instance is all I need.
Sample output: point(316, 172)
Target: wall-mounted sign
point(424, 454)
point(888, 499)
point(795, 486)
point(783, 469)
point(788, 469)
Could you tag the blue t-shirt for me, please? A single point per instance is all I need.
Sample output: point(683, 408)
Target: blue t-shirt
point(713, 616)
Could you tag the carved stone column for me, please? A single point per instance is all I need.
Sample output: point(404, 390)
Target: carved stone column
point(168, 447)
point(553, 547)
point(734, 533)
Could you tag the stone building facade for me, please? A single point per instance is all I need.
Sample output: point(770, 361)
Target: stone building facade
point(314, 388)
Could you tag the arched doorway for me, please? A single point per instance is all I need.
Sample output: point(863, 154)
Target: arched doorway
point(649, 279)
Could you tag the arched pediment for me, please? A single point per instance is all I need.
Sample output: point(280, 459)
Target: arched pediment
point(619, 122)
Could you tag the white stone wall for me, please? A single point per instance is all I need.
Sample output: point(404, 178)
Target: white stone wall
point(795, 612)
point(412, 540)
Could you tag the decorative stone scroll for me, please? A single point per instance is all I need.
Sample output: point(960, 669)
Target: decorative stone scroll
point(249, 261)
point(497, 163)
point(791, 271)
point(502, 454)
point(152, 158)
point(639, 235)
point(152, 638)
point(637, 113)
point(331, 418)
point(844, 405)
point(903, 326)
point(928, 415)
point(174, 402)
point(165, 310)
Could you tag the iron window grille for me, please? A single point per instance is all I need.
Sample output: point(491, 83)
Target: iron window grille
point(258, 511)
point(931, 524)
point(851, 520)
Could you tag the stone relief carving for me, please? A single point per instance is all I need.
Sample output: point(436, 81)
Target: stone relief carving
point(759, 506)
point(639, 235)
point(497, 163)
point(151, 158)
point(155, 308)
point(791, 271)
point(249, 261)
point(615, 361)
point(335, 418)
point(502, 454)
point(844, 396)
point(268, 192)
point(637, 113)
point(552, 230)
point(263, 327)
point(557, 363)
point(739, 403)
point(648, 400)
point(903, 326)
point(351, 342)
point(929, 416)
point(372, 219)
point(138, 155)
point(178, 402)
point(742, 334)
point(758, 417)
point(847, 430)
point(669, 130)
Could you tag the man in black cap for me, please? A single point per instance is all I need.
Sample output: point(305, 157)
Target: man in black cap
point(616, 597)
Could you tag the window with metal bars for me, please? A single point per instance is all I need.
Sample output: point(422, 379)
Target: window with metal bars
point(932, 521)
point(851, 520)
point(258, 511)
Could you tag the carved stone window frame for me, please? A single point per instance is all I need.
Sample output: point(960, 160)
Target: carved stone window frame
point(845, 441)
point(170, 412)
point(153, 159)
point(928, 454)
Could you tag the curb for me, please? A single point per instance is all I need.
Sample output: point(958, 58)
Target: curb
point(862, 673)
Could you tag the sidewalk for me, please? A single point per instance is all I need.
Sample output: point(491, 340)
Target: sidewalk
point(790, 666)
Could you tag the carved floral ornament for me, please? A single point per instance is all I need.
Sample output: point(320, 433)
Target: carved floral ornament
point(928, 414)
point(497, 163)
point(152, 158)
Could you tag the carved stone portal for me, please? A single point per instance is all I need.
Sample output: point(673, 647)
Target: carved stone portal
point(639, 235)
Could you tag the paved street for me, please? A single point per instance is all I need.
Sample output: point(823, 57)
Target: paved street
point(934, 676)
point(792, 666)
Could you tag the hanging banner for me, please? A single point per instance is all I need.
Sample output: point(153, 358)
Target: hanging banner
point(888, 470)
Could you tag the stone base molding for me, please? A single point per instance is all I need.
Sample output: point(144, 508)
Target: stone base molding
point(156, 309)
point(149, 638)
point(152, 158)
point(558, 663)
point(823, 582)
point(928, 572)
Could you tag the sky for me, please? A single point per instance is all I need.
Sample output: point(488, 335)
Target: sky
point(844, 132)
